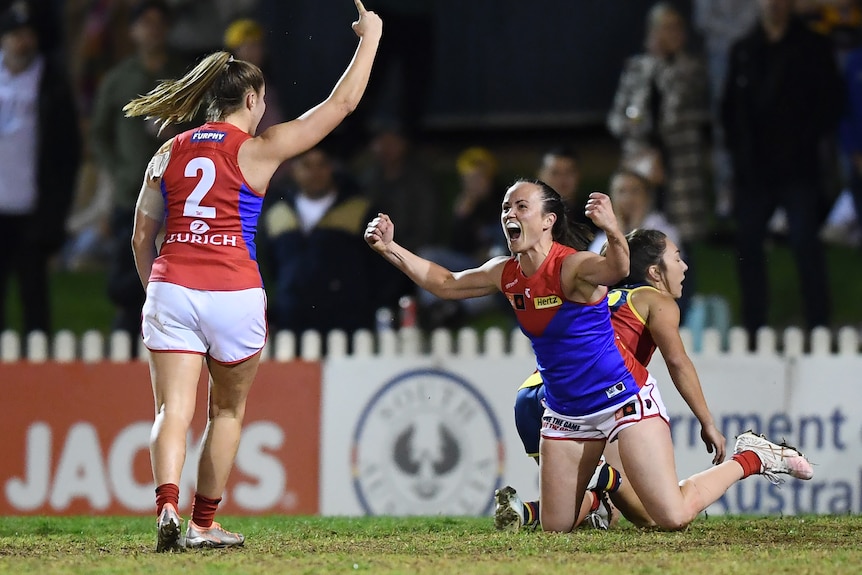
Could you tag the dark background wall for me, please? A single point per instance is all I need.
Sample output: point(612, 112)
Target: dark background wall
point(492, 63)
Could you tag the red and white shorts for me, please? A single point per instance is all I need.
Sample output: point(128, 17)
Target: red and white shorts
point(606, 424)
point(228, 326)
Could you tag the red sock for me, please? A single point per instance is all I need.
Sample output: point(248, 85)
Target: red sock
point(204, 510)
point(596, 501)
point(167, 493)
point(749, 461)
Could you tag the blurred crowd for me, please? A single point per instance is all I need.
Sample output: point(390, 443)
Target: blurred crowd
point(757, 131)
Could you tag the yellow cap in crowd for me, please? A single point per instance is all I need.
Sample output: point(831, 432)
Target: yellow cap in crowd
point(242, 31)
point(476, 157)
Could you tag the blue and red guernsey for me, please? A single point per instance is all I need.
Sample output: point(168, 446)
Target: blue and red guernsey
point(584, 365)
point(629, 324)
point(211, 213)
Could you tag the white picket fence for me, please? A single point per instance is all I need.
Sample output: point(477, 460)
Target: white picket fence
point(93, 346)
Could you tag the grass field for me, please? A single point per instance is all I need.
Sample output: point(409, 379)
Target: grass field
point(775, 545)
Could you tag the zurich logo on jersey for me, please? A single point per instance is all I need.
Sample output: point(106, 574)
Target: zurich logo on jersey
point(208, 136)
point(199, 227)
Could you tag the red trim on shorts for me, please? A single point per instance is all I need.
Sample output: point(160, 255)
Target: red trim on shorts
point(573, 438)
point(200, 353)
point(236, 361)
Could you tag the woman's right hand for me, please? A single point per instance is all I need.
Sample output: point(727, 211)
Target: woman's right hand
point(369, 23)
point(715, 442)
point(380, 232)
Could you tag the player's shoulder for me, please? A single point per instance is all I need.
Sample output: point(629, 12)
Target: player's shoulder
point(499, 263)
point(646, 293)
point(571, 259)
point(166, 146)
point(658, 303)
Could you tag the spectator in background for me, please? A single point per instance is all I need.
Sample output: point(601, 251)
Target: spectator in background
point(403, 76)
point(560, 169)
point(850, 131)
point(324, 278)
point(87, 227)
point(198, 24)
point(474, 238)
point(244, 38)
point(839, 20)
point(661, 104)
point(782, 98)
point(721, 22)
point(40, 149)
point(476, 210)
point(122, 147)
point(648, 167)
point(634, 201)
point(96, 40)
point(400, 184)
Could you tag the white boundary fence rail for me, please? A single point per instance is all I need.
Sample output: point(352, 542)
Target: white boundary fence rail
point(93, 346)
point(330, 434)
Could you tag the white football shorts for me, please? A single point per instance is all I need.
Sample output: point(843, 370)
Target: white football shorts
point(228, 326)
point(606, 424)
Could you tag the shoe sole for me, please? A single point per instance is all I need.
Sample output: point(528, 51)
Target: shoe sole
point(798, 465)
point(800, 468)
point(505, 518)
point(169, 538)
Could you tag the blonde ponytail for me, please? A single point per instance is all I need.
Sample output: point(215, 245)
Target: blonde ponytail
point(178, 101)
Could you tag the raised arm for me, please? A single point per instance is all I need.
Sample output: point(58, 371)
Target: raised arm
point(284, 141)
point(614, 265)
point(436, 279)
point(663, 324)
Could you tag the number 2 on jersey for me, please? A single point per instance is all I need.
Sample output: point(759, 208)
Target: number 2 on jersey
point(206, 168)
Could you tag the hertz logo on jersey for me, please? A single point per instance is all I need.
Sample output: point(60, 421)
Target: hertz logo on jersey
point(543, 302)
point(208, 136)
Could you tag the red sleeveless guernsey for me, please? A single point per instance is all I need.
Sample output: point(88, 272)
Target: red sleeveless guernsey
point(582, 362)
point(211, 213)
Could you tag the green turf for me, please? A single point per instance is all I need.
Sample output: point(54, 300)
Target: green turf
point(792, 545)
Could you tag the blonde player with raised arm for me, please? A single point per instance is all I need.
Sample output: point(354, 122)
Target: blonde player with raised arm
point(205, 299)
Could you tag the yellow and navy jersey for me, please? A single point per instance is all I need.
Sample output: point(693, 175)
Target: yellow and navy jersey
point(581, 360)
point(629, 325)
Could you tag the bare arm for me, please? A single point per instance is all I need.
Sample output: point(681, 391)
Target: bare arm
point(614, 265)
point(150, 214)
point(144, 234)
point(436, 279)
point(663, 324)
point(284, 141)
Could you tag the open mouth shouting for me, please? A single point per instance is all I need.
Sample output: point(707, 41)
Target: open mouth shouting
point(513, 230)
